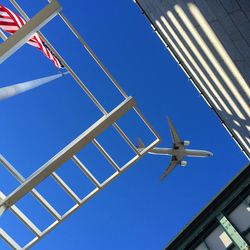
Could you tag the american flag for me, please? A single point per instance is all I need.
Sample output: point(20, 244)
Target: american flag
point(11, 22)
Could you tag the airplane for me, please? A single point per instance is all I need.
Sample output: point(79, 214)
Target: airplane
point(178, 151)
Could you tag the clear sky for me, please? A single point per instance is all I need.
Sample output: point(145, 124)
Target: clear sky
point(136, 211)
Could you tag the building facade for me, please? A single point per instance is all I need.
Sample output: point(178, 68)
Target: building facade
point(210, 40)
point(224, 223)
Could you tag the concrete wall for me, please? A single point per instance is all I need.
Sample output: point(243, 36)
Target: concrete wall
point(211, 41)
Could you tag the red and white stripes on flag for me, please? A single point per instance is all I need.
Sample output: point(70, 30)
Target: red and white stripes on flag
point(11, 22)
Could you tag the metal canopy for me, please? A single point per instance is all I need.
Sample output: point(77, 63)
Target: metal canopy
point(8, 202)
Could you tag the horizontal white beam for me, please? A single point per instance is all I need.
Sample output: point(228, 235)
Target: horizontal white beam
point(66, 153)
point(14, 42)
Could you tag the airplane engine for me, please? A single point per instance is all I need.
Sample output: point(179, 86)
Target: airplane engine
point(186, 143)
point(183, 163)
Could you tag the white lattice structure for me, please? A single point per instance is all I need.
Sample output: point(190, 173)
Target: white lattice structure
point(8, 202)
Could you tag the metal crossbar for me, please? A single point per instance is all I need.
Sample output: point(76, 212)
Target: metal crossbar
point(69, 153)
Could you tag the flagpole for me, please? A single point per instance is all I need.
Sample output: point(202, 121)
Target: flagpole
point(16, 89)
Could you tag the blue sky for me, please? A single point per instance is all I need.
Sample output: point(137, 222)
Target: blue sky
point(136, 211)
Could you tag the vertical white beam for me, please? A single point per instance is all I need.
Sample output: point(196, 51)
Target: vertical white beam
point(86, 171)
point(9, 240)
point(125, 137)
point(66, 187)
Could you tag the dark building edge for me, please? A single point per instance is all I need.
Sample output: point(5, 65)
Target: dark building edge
point(205, 221)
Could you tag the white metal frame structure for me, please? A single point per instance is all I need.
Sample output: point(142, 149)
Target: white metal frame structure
point(8, 202)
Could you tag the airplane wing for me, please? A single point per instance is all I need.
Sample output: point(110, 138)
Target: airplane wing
point(175, 137)
point(171, 166)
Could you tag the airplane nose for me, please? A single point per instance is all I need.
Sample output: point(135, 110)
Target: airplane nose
point(210, 154)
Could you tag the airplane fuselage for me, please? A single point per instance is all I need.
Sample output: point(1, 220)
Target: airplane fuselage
point(180, 153)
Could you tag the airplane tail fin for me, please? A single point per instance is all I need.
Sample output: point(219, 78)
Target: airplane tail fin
point(169, 121)
point(140, 145)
